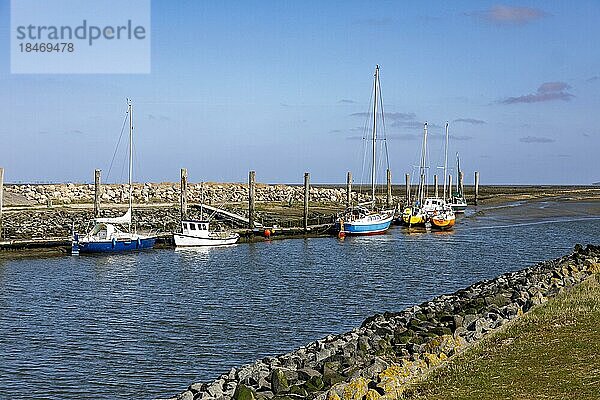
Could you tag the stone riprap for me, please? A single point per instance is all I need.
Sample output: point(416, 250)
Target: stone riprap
point(213, 193)
point(53, 223)
point(379, 359)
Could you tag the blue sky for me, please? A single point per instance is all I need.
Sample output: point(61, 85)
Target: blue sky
point(273, 86)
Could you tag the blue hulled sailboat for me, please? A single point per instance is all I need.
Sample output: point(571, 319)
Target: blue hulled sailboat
point(365, 219)
point(114, 235)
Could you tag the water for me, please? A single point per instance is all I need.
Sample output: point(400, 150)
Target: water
point(149, 324)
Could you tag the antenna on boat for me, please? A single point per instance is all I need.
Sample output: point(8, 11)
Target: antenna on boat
point(202, 201)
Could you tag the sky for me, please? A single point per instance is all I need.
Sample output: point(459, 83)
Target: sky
point(282, 88)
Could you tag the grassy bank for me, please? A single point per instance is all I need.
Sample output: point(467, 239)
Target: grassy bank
point(553, 352)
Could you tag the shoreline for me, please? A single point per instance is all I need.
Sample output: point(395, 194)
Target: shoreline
point(390, 351)
point(26, 227)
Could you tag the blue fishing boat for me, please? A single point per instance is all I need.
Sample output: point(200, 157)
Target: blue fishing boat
point(360, 220)
point(109, 235)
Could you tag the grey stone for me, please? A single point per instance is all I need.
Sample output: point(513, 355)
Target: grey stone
point(279, 383)
point(187, 395)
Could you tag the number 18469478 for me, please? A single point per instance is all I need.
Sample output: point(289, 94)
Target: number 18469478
point(46, 47)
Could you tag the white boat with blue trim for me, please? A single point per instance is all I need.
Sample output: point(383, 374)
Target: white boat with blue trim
point(109, 235)
point(360, 220)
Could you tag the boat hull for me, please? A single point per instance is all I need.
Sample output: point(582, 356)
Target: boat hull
point(410, 219)
point(459, 208)
point(116, 246)
point(191, 241)
point(360, 227)
point(442, 223)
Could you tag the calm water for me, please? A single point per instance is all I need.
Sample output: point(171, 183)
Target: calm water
point(149, 324)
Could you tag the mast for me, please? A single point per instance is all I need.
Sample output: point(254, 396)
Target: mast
point(422, 166)
point(373, 167)
point(457, 173)
point(446, 161)
point(130, 109)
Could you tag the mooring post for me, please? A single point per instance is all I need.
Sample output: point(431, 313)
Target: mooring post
point(461, 179)
point(476, 186)
point(251, 192)
point(306, 194)
point(1, 198)
point(349, 189)
point(407, 181)
point(389, 188)
point(450, 186)
point(435, 185)
point(183, 193)
point(97, 193)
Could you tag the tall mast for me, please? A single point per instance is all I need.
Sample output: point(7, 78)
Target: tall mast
point(446, 161)
point(130, 156)
point(373, 167)
point(457, 173)
point(422, 166)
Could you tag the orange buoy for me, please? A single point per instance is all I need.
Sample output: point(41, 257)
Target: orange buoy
point(341, 233)
point(267, 233)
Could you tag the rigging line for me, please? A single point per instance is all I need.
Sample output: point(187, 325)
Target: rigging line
point(124, 163)
point(387, 156)
point(116, 147)
point(365, 142)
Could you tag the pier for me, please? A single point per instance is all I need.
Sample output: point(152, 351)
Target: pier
point(42, 216)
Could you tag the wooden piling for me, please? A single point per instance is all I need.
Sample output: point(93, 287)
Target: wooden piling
point(97, 173)
point(1, 198)
point(407, 182)
point(389, 188)
point(183, 193)
point(251, 193)
point(306, 195)
point(476, 186)
point(349, 189)
point(450, 186)
point(435, 185)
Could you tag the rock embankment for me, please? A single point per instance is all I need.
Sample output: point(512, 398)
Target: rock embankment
point(212, 193)
point(378, 359)
point(55, 223)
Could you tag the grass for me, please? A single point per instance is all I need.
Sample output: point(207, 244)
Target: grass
point(553, 352)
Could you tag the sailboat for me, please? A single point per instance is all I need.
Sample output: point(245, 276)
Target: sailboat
point(457, 200)
point(360, 219)
point(443, 216)
point(415, 214)
point(113, 235)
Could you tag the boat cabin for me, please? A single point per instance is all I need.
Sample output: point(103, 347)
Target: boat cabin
point(195, 228)
point(434, 203)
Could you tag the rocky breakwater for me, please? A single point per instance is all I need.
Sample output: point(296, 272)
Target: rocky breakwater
point(379, 359)
point(58, 223)
point(212, 193)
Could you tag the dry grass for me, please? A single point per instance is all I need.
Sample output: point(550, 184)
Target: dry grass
point(553, 352)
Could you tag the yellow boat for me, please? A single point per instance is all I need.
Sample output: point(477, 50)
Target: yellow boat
point(410, 219)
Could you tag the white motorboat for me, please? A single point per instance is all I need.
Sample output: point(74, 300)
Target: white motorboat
point(197, 233)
